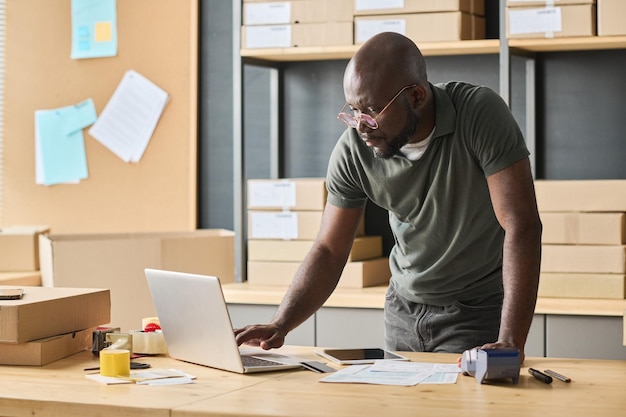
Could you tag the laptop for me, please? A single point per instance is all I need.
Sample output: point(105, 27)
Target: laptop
point(196, 325)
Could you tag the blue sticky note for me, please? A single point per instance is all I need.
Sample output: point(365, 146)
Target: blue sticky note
point(62, 155)
point(94, 28)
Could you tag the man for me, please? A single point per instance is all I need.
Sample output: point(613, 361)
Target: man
point(450, 165)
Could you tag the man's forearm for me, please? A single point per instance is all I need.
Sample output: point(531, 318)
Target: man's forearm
point(520, 270)
point(315, 280)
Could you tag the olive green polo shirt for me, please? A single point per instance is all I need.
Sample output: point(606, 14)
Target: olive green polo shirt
point(448, 243)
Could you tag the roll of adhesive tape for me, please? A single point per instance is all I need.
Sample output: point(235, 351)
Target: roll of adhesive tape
point(115, 362)
point(148, 320)
point(148, 343)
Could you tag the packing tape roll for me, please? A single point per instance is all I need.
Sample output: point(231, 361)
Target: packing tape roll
point(115, 362)
point(148, 343)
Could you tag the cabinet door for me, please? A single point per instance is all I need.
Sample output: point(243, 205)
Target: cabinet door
point(350, 327)
point(244, 314)
point(588, 337)
point(536, 343)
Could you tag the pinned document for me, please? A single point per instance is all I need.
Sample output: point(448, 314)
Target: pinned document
point(127, 123)
point(94, 29)
point(59, 143)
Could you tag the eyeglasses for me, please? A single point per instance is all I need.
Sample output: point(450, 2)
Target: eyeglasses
point(354, 121)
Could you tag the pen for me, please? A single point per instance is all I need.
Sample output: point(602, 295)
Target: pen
point(540, 375)
point(557, 375)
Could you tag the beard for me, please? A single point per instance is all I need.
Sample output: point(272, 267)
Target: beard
point(392, 147)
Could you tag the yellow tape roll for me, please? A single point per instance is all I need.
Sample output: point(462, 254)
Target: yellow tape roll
point(115, 362)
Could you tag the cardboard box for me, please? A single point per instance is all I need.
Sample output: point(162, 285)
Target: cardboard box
point(117, 261)
point(551, 22)
point(364, 247)
point(581, 195)
point(300, 11)
point(584, 228)
point(584, 259)
point(43, 351)
point(611, 14)
point(568, 285)
point(546, 3)
point(424, 27)
point(418, 6)
point(297, 35)
point(358, 274)
point(288, 193)
point(30, 278)
point(298, 225)
point(19, 248)
point(44, 312)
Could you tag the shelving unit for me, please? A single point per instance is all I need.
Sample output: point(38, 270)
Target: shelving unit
point(556, 318)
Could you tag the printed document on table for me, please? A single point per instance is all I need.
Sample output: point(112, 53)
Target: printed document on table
point(397, 373)
point(129, 119)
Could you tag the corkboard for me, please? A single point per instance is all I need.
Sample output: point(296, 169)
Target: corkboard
point(158, 39)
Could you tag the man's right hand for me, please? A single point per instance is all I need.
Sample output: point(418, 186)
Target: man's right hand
point(266, 336)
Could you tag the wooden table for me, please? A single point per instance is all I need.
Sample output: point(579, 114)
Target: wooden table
point(60, 389)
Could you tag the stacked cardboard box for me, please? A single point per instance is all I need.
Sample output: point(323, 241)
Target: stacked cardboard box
point(611, 15)
point(298, 23)
point(117, 262)
point(47, 324)
point(19, 255)
point(283, 219)
point(550, 18)
point(584, 238)
point(422, 21)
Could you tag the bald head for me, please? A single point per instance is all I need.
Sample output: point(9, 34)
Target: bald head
point(386, 58)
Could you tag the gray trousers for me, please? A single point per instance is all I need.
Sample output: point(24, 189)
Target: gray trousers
point(417, 327)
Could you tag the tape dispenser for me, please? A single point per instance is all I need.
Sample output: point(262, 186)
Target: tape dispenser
point(489, 364)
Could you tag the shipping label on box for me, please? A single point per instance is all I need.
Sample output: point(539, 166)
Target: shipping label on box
point(118, 261)
point(422, 27)
point(19, 248)
point(584, 228)
point(43, 351)
point(44, 312)
point(580, 285)
point(292, 194)
point(300, 11)
point(369, 7)
point(287, 225)
point(550, 22)
point(297, 35)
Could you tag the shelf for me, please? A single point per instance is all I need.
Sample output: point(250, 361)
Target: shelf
point(473, 47)
point(322, 53)
point(569, 44)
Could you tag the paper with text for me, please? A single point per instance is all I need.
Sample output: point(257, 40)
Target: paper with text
point(129, 119)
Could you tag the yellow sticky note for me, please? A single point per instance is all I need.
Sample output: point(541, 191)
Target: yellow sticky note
point(103, 32)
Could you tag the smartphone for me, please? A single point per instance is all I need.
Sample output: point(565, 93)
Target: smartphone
point(11, 293)
point(359, 356)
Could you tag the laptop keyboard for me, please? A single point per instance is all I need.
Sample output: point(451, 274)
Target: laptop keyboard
point(252, 361)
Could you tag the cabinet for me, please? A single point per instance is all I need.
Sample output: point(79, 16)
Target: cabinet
point(349, 327)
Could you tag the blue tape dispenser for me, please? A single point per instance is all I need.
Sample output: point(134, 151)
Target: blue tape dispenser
point(491, 364)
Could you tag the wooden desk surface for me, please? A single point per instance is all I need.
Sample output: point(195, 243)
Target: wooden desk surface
point(60, 389)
